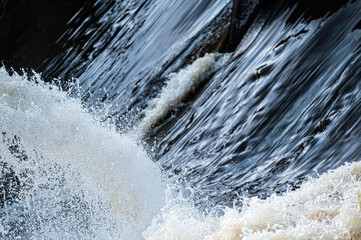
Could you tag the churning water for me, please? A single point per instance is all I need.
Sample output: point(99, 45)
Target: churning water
point(174, 130)
point(77, 178)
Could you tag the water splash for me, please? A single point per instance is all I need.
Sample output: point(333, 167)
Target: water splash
point(78, 178)
point(328, 207)
point(81, 179)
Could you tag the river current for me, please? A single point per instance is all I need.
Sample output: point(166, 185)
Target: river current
point(180, 120)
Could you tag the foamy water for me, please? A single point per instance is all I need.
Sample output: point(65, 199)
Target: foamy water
point(83, 180)
point(325, 208)
point(79, 178)
point(178, 87)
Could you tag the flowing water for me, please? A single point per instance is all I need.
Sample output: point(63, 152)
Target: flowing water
point(182, 120)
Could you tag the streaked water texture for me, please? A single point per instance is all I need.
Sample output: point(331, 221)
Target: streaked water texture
point(183, 120)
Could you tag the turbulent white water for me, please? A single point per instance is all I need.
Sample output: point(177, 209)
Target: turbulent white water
point(83, 180)
point(80, 179)
point(178, 88)
point(325, 208)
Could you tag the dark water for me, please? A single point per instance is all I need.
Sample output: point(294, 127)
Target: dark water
point(284, 107)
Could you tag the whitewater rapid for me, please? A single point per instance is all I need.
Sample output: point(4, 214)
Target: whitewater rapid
point(328, 207)
point(81, 179)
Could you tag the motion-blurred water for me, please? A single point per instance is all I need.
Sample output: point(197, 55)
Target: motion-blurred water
point(139, 82)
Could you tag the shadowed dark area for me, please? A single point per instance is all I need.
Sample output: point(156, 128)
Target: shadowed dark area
point(31, 30)
point(34, 33)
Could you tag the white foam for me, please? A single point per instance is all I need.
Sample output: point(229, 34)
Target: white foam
point(70, 153)
point(82, 180)
point(325, 208)
point(178, 87)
